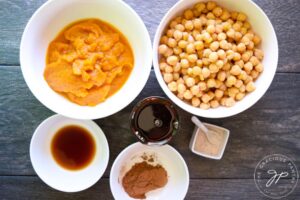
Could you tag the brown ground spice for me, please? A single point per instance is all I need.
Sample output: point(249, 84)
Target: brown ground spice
point(142, 178)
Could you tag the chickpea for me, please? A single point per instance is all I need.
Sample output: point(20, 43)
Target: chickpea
point(172, 42)
point(221, 76)
point(241, 17)
point(240, 63)
point(195, 89)
point(225, 15)
point(256, 40)
point(195, 101)
point(190, 49)
point(189, 72)
point(236, 27)
point(168, 77)
point(243, 75)
point(202, 86)
point(205, 72)
point(183, 55)
point(188, 14)
point(218, 93)
point(243, 30)
point(222, 36)
point(214, 46)
point(232, 91)
point(211, 5)
point(221, 54)
point(250, 87)
point(229, 102)
point(213, 57)
point(189, 25)
point(236, 56)
point(229, 54)
point(168, 69)
point(207, 38)
point(214, 104)
point(259, 68)
point(177, 67)
point(173, 24)
point(170, 33)
point(246, 56)
point(239, 96)
point(204, 106)
point(172, 60)
point(180, 96)
point(219, 64)
point(224, 45)
point(196, 71)
point(238, 36)
point(217, 11)
point(192, 58)
point(205, 98)
point(210, 29)
point(180, 80)
point(226, 66)
point(181, 88)
point(259, 54)
point(213, 68)
point(254, 74)
point(241, 47)
point(197, 23)
point(248, 66)
point(235, 70)
point(185, 36)
point(177, 35)
point(169, 52)
point(210, 15)
point(242, 88)
point(245, 40)
point(162, 49)
point(226, 26)
point(238, 83)
point(230, 33)
point(200, 7)
point(172, 86)
point(254, 61)
point(211, 83)
point(199, 45)
point(250, 46)
point(162, 66)
point(164, 39)
point(199, 63)
point(182, 44)
point(231, 80)
point(190, 82)
point(205, 61)
point(207, 52)
point(183, 71)
point(179, 27)
point(176, 76)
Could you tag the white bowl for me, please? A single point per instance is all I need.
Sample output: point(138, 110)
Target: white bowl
point(261, 25)
point(210, 127)
point(167, 156)
point(53, 174)
point(50, 19)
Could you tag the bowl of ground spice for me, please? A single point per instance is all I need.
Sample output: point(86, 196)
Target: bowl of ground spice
point(145, 172)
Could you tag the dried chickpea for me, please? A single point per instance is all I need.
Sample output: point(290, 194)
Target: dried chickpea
point(214, 46)
point(196, 71)
point(213, 57)
point(246, 56)
point(238, 36)
point(229, 102)
point(234, 15)
point(199, 45)
point(235, 70)
point(205, 98)
point(168, 77)
point(238, 83)
point(236, 56)
point(182, 44)
point(168, 69)
point(190, 81)
point(162, 66)
point(219, 93)
point(242, 88)
point(256, 40)
point(162, 49)
point(250, 87)
point(177, 67)
point(197, 24)
point(221, 54)
point(217, 11)
point(192, 58)
point(241, 17)
point(179, 27)
point(248, 66)
point(259, 67)
point(204, 106)
point(221, 76)
point(231, 80)
point(177, 35)
point(254, 61)
point(232, 91)
point(254, 74)
point(206, 53)
point(210, 15)
point(172, 42)
point(243, 75)
point(172, 86)
point(189, 72)
point(199, 63)
point(224, 44)
point(176, 76)
point(213, 68)
point(226, 66)
point(189, 25)
point(241, 47)
point(210, 29)
point(180, 96)
point(239, 96)
point(259, 54)
point(225, 15)
point(214, 104)
point(211, 83)
point(195, 89)
point(190, 48)
point(173, 24)
point(170, 33)
point(184, 63)
point(195, 101)
point(180, 80)
point(172, 60)
point(169, 52)
point(205, 72)
point(200, 6)
point(188, 14)
point(211, 5)
point(181, 88)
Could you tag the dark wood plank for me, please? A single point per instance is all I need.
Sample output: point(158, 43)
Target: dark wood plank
point(209, 189)
point(270, 126)
point(284, 15)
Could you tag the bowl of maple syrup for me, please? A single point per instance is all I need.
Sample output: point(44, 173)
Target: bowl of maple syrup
point(67, 154)
point(154, 121)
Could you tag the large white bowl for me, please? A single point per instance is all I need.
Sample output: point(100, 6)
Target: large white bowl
point(54, 175)
point(50, 19)
point(261, 25)
point(167, 156)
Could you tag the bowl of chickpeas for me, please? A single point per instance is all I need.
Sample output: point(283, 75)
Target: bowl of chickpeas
point(215, 58)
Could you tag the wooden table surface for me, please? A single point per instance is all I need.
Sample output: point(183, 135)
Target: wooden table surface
point(271, 126)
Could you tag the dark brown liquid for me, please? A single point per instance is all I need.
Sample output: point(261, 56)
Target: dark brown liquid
point(73, 147)
point(155, 121)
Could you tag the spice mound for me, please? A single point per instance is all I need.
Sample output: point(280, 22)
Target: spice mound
point(142, 178)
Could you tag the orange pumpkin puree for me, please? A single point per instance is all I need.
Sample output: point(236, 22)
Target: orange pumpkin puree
point(88, 62)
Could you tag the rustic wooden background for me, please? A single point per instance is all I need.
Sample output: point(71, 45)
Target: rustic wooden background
point(271, 126)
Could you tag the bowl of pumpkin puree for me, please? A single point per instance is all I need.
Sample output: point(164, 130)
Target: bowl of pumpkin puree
point(85, 59)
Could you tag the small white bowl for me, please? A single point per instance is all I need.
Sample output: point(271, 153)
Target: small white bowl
point(214, 128)
point(54, 175)
point(167, 156)
point(50, 19)
point(261, 25)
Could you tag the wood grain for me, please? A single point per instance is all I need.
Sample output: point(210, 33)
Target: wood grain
point(284, 14)
point(270, 126)
point(27, 188)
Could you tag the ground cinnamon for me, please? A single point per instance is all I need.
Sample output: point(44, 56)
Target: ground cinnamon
point(142, 178)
